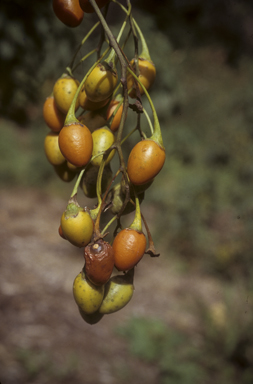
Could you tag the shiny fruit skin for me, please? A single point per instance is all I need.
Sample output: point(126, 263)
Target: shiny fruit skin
point(87, 7)
point(64, 91)
point(76, 144)
point(145, 161)
point(116, 120)
point(92, 120)
point(52, 150)
point(118, 293)
point(64, 173)
point(77, 229)
point(101, 82)
point(53, 117)
point(103, 138)
point(129, 247)
point(99, 262)
point(68, 12)
point(89, 105)
point(87, 296)
point(89, 180)
point(92, 318)
point(147, 76)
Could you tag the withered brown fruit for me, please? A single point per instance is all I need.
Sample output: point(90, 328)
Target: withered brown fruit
point(99, 262)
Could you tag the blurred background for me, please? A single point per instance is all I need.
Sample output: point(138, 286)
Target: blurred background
point(190, 320)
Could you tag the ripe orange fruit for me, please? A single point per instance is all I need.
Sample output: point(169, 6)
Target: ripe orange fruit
point(52, 150)
point(147, 76)
point(145, 161)
point(116, 120)
point(129, 247)
point(76, 144)
point(53, 117)
point(64, 91)
point(68, 12)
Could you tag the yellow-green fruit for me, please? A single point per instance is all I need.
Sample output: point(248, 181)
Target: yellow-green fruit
point(77, 225)
point(64, 92)
point(118, 292)
point(101, 82)
point(93, 318)
point(52, 150)
point(103, 138)
point(87, 296)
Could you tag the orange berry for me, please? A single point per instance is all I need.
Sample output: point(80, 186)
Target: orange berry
point(53, 117)
point(116, 120)
point(68, 12)
point(76, 144)
point(145, 161)
point(129, 247)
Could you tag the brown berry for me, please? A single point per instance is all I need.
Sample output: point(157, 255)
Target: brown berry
point(99, 262)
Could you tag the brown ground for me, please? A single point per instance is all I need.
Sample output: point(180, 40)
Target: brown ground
point(43, 338)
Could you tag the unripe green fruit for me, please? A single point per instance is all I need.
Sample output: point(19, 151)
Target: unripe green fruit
point(103, 139)
point(118, 292)
point(87, 296)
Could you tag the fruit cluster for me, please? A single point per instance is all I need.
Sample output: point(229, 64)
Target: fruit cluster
point(87, 121)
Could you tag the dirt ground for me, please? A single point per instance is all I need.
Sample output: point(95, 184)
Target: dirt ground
point(43, 338)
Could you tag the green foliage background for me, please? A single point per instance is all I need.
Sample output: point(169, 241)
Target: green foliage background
point(201, 204)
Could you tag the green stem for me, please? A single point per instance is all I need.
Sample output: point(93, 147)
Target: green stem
point(157, 135)
point(128, 135)
point(78, 181)
point(84, 58)
point(145, 51)
point(136, 224)
point(123, 63)
point(149, 121)
point(71, 118)
point(112, 40)
point(82, 43)
point(108, 224)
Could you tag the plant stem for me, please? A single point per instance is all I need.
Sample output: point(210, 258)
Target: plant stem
point(157, 135)
point(108, 224)
point(82, 43)
point(114, 44)
point(84, 58)
point(149, 121)
point(136, 224)
point(77, 183)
